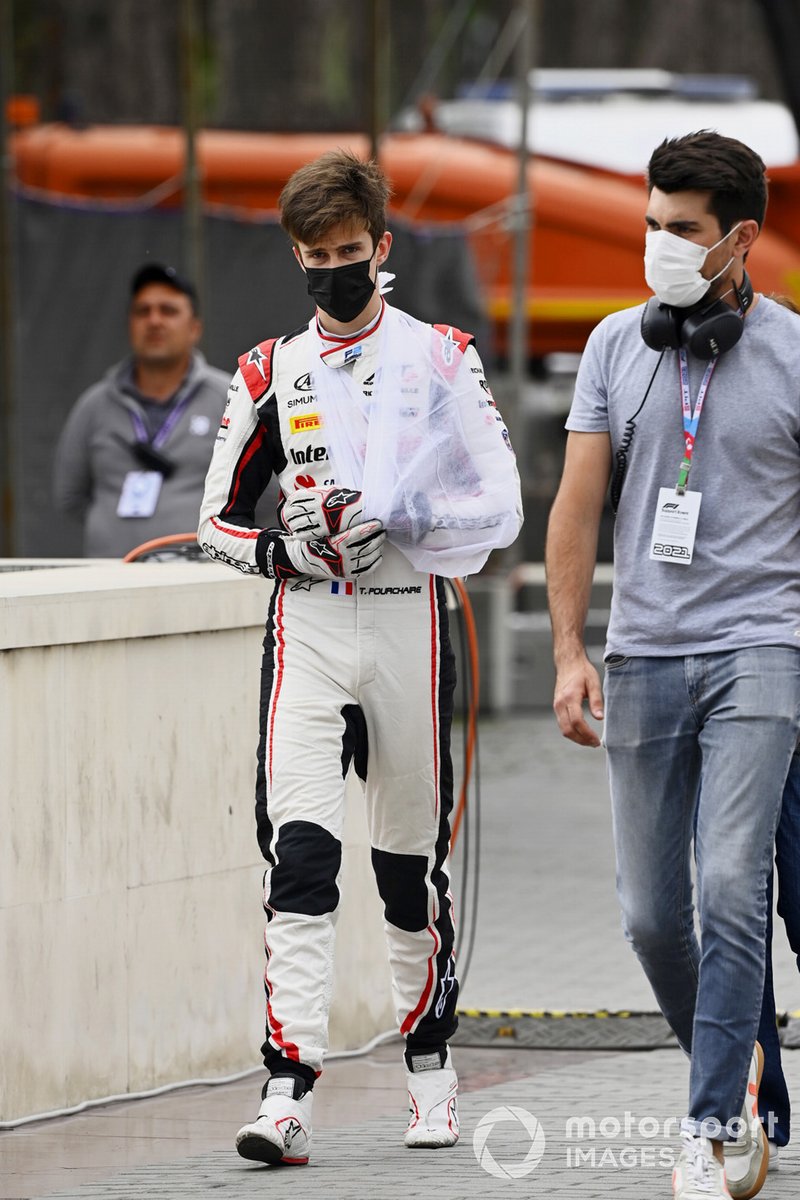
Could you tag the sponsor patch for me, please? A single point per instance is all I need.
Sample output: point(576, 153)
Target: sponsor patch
point(256, 358)
point(448, 347)
point(309, 454)
point(305, 423)
point(221, 556)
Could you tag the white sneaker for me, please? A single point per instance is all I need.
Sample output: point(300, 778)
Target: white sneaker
point(281, 1133)
point(773, 1157)
point(697, 1175)
point(747, 1159)
point(433, 1112)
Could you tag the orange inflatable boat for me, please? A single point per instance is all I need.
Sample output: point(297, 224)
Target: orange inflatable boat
point(587, 227)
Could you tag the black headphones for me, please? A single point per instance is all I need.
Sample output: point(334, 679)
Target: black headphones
point(707, 331)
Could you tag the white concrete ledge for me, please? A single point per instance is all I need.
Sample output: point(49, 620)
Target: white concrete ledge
point(56, 606)
point(131, 930)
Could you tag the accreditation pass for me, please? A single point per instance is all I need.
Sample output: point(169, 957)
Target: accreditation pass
point(674, 526)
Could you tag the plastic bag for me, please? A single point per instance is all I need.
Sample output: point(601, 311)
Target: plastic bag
point(428, 450)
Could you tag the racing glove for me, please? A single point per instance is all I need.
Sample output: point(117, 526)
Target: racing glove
point(346, 555)
point(320, 512)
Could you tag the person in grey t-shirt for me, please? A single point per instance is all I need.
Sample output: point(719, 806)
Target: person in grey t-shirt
point(694, 401)
point(132, 458)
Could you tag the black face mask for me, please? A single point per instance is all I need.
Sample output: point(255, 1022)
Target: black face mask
point(342, 292)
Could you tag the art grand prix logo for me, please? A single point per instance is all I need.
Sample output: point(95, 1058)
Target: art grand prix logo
point(522, 1146)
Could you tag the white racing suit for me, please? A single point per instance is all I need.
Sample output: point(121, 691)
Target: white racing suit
point(357, 671)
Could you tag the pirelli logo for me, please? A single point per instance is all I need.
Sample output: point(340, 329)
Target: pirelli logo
point(305, 424)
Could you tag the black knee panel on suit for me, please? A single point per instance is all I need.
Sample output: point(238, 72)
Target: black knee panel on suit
point(401, 883)
point(308, 859)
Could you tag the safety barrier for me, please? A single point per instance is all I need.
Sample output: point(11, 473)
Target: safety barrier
point(131, 934)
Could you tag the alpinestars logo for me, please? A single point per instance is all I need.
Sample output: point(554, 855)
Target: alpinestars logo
point(331, 557)
point(334, 505)
point(276, 570)
point(290, 1131)
point(221, 556)
point(448, 982)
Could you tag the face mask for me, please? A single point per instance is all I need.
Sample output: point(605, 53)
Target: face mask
point(342, 292)
point(672, 267)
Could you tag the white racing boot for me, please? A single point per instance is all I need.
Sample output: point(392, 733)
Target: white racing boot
point(747, 1159)
point(281, 1133)
point(433, 1112)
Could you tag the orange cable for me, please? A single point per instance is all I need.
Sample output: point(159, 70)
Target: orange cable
point(170, 539)
point(472, 711)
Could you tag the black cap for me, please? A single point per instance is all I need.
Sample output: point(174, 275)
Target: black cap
point(158, 273)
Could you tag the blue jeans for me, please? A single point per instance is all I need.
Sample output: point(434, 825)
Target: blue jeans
point(701, 744)
point(773, 1096)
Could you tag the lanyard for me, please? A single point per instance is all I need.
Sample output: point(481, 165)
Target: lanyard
point(175, 414)
point(691, 419)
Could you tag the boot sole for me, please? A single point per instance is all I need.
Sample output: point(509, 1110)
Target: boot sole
point(259, 1149)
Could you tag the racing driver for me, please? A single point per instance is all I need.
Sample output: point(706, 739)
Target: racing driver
point(357, 663)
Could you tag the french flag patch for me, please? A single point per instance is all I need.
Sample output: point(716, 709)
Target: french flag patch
point(341, 589)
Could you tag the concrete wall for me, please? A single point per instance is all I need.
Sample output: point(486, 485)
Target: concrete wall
point(131, 932)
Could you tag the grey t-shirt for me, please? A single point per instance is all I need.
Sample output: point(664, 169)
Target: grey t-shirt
point(742, 587)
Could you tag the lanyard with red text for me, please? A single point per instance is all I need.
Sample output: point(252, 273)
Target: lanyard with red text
point(691, 419)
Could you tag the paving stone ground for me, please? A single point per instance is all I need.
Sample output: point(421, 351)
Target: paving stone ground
point(600, 1128)
point(548, 937)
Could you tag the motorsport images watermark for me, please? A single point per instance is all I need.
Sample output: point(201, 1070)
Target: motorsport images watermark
point(509, 1142)
point(525, 1134)
point(616, 1143)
